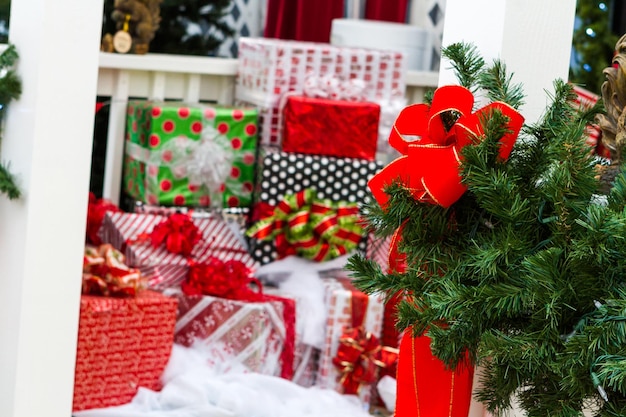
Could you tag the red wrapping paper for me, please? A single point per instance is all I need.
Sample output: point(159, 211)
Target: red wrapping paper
point(346, 306)
point(425, 387)
point(123, 344)
point(260, 336)
point(344, 129)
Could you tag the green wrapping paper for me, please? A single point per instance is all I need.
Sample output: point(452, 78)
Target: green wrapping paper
point(190, 155)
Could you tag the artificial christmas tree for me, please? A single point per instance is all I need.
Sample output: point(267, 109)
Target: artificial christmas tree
point(592, 43)
point(192, 27)
point(521, 269)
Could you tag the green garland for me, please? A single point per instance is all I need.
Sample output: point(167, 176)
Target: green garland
point(10, 89)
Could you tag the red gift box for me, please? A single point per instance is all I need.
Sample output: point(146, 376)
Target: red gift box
point(345, 129)
point(345, 304)
point(258, 336)
point(123, 344)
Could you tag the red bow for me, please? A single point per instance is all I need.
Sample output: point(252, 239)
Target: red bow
point(96, 210)
point(230, 279)
point(429, 167)
point(178, 232)
point(358, 358)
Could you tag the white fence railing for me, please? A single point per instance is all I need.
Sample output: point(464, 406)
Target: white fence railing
point(188, 78)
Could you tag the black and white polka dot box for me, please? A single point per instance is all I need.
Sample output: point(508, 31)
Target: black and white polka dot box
point(337, 179)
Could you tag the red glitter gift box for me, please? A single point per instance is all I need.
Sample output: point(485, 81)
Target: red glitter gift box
point(123, 344)
point(345, 129)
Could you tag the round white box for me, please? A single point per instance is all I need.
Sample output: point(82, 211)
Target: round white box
point(414, 42)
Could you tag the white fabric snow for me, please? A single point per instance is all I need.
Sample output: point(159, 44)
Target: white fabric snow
point(193, 389)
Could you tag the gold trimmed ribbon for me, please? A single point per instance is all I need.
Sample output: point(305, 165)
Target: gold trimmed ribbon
point(359, 357)
point(430, 139)
point(316, 229)
point(429, 166)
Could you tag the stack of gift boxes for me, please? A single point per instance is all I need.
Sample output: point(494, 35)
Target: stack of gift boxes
point(222, 191)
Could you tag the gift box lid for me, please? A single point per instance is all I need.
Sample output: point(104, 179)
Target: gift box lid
point(413, 41)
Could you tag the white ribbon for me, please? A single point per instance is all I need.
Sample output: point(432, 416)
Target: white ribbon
point(211, 159)
point(333, 88)
point(206, 162)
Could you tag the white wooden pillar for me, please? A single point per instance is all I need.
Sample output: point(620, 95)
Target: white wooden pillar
point(48, 140)
point(533, 38)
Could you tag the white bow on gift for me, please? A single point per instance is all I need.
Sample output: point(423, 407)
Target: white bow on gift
point(210, 160)
point(333, 88)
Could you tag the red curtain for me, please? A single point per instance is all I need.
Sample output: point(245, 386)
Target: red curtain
point(302, 20)
point(386, 10)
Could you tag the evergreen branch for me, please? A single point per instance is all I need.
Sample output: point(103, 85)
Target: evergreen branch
point(8, 183)
point(612, 370)
point(9, 57)
point(509, 276)
point(588, 114)
point(410, 316)
point(558, 114)
point(466, 63)
point(497, 83)
point(377, 220)
point(10, 88)
point(617, 196)
point(369, 278)
point(428, 96)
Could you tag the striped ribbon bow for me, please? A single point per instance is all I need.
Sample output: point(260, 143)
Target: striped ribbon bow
point(316, 229)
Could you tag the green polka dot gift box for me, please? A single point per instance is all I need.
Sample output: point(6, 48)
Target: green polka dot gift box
point(178, 154)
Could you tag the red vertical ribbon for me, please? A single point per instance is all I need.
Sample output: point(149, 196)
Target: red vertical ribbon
point(358, 301)
point(287, 355)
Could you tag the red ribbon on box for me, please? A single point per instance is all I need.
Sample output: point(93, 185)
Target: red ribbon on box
point(232, 279)
point(360, 353)
point(177, 232)
point(226, 279)
point(96, 210)
point(429, 167)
